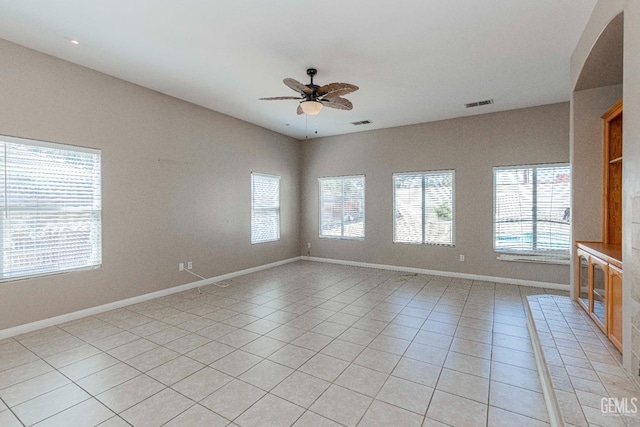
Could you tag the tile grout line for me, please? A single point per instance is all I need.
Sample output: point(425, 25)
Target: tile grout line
point(11, 410)
point(406, 304)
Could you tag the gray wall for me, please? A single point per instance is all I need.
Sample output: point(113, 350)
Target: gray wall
point(587, 156)
point(587, 108)
point(604, 12)
point(176, 183)
point(472, 146)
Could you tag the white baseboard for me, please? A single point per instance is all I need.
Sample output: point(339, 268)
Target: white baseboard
point(33, 326)
point(40, 324)
point(508, 280)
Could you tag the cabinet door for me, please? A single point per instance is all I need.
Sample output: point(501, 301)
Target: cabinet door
point(599, 277)
point(582, 279)
point(614, 309)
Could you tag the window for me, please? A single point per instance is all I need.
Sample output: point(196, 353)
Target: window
point(265, 208)
point(423, 208)
point(342, 207)
point(532, 211)
point(50, 198)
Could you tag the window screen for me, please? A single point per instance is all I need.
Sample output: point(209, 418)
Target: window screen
point(424, 208)
point(342, 207)
point(265, 208)
point(50, 197)
point(532, 209)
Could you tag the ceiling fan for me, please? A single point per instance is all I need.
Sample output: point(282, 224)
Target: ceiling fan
point(313, 97)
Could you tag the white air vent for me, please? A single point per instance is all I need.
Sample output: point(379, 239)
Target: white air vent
point(479, 103)
point(362, 122)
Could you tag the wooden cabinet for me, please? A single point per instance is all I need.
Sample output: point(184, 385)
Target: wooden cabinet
point(612, 176)
point(614, 318)
point(599, 273)
point(599, 264)
point(599, 286)
point(582, 279)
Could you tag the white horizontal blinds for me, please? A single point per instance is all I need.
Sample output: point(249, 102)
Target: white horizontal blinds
point(265, 208)
point(514, 209)
point(553, 204)
point(438, 208)
point(408, 213)
point(330, 207)
point(532, 209)
point(353, 207)
point(51, 208)
point(423, 208)
point(342, 207)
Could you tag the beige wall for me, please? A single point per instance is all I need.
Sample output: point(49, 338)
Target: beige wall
point(472, 146)
point(176, 179)
point(176, 183)
point(604, 12)
point(588, 106)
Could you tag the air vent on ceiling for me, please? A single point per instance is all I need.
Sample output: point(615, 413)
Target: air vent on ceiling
point(361, 122)
point(479, 103)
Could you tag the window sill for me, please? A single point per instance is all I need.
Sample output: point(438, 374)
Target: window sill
point(359, 239)
point(265, 241)
point(437, 245)
point(537, 259)
point(48, 274)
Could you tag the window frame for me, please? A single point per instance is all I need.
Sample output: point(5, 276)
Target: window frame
point(423, 241)
point(342, 236)
point(550, 256)
point(278, 231)
point(56, 146)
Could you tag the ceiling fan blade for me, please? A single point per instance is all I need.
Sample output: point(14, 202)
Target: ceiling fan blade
point(297, 86)
point(276, 98)
point(333, 90)
point(299, 110)
point(337, 103)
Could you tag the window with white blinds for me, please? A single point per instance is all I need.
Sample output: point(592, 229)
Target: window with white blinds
point(423, 208)
point(50, 197)
point(532, 210)
point(265, 208)
point(342, 207)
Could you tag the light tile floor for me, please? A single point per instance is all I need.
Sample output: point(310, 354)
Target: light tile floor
point(304, 344)
point(584, 366)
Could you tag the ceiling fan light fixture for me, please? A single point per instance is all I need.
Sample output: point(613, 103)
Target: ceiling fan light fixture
point(311, 107)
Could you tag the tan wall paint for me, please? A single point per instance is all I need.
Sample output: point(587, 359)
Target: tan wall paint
point(604, 12)
point(472, 146)
point(588, 106)
point(176, 183)
point(587, 129)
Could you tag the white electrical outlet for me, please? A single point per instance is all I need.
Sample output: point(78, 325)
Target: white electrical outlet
point(181, 266)
point(308, 245)
point(189, 265)
point(461, 257)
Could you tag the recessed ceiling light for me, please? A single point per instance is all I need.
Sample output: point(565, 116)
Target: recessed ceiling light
point(74, 41)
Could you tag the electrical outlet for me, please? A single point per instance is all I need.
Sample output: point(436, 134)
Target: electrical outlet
point(308, 245)
point(189, 265)
point(461, 257)
point(181, 266)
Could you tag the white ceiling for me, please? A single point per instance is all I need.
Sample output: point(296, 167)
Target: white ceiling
point(414, 60)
